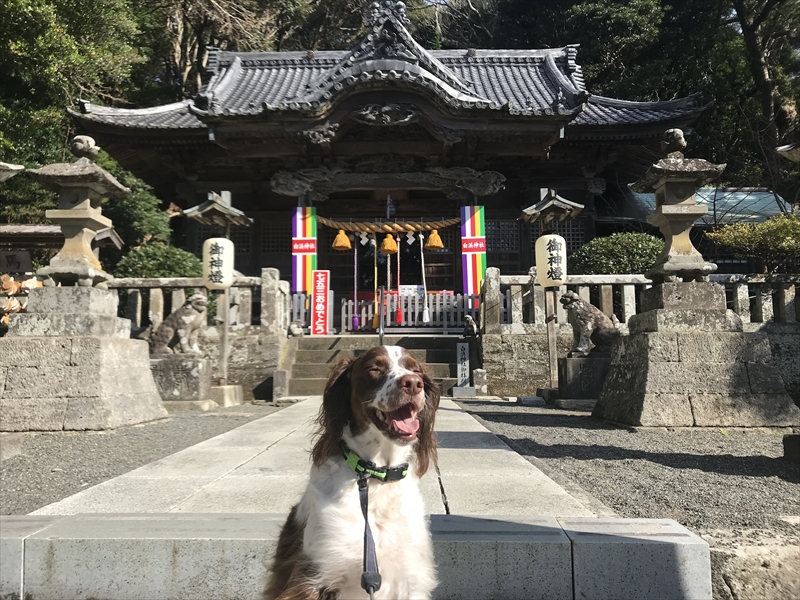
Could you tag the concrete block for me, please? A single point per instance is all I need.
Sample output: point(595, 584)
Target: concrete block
point(32, 414)
point(462, 392)
point(155, 556)
point(172, 406)
point(740, 410)
point(73, 299)
point(531, 401)
point(226, 395)
point(637, 559)
point(13, 531)
point(521, 558)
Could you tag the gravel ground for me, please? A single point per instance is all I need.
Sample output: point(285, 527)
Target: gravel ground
point(706, 480)
point(53, 466)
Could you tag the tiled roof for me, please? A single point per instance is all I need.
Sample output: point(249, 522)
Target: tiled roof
point(535, 83)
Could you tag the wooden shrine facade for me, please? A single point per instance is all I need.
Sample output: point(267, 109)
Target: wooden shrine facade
point(433, 130)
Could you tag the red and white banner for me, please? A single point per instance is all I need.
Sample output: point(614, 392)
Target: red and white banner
point(473, 245)
point(304, 246)
point(320, 284)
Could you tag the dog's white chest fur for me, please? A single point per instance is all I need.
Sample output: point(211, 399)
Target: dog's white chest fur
point(334, 533)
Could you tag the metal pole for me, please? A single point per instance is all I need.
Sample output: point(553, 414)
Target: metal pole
point(550, 319)
point(223, 339)
point(380, 317)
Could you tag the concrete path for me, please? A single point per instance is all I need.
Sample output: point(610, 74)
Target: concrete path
point(262, 467)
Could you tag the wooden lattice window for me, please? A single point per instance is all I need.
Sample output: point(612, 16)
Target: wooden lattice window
point(573, 232)
point(502, 236)
point(276, 235)
point(240, 236)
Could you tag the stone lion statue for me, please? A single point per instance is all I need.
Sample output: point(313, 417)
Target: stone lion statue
point(178, 332)
point(590, 326)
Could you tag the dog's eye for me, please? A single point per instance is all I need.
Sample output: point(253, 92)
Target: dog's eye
point(376, 370)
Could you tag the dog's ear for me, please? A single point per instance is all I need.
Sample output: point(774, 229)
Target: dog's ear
point(426, 437)
point(335, 412)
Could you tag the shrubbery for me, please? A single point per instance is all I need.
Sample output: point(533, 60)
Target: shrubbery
point(775, 242)
point(159, 260)
point(620, 253)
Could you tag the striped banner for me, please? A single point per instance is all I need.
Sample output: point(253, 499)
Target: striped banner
point(304, 248)
point(473, 248)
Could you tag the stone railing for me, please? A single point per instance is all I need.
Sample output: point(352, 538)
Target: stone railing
point(263, 301)
point(510, 304)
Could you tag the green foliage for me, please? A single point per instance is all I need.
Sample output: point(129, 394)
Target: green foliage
point(156, 259)
point(776, 241)
point(620, 253)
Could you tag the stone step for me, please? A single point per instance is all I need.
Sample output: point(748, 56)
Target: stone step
point(315, 386)
point(329, 356)
point(365, 342)
point(316, 370)
point(225, 556)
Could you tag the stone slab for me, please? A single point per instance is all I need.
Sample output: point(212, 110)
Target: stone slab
point(580, 404)
point(649, 410)
point(523, 558)
point(226, 395)
point(582, 377)
point(753, 410)
point(791, 447)
point(182, 377)
point(723, 347)
point(683, 295)
point(637, 559)
point(63, 324)
point(32, 414)
point(13, 532)
point(10, 444)
point(678, 320)
point(462, 392)
point(530, 401)
point(73, 299)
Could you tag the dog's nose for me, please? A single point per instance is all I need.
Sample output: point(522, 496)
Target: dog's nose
point(411, 383)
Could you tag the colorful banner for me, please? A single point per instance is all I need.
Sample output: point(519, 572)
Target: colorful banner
point(473, 248)
point(319, 302)
point(304, 248)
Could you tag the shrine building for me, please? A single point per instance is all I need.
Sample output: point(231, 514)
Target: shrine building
point(390, 133)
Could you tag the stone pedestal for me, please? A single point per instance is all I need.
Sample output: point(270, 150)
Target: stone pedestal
point(182, 377)
point(582, 377)
point(688, 363)
point(66, 365)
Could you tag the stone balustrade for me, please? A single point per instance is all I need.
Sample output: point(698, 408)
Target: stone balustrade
point(263, 301)
point(513, 305)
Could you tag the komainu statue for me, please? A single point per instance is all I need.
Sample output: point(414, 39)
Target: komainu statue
point(178, 332)
point(590, 326)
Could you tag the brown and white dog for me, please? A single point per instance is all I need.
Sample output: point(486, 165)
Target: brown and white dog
point(382, 404)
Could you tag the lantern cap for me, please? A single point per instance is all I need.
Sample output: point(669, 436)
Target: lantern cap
point(551, 207)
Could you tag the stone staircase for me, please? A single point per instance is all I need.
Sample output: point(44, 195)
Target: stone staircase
point(316, 354)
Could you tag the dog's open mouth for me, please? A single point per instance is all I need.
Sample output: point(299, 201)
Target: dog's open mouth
point(401, 423)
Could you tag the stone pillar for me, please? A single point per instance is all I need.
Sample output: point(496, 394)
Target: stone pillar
point(271, 306)
point(491, 301)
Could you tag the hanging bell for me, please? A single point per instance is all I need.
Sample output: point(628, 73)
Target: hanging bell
point(389, 246)
point(434, 241)
point(342, 242)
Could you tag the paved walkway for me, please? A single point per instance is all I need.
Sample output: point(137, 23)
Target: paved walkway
point(262, 467)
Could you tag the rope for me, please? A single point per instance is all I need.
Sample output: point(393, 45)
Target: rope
point(388, 227)
point(355, 283)
point(426, 316)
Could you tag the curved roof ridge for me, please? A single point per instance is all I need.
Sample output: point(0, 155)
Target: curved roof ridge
point(99, 109)
point(691, 101)
point(218, 86)
point(563, 82)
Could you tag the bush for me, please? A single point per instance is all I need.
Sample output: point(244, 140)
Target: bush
point(159, 260)
point(620, 253)
point(775, 242)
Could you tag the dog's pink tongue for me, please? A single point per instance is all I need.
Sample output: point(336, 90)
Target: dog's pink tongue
point(404, 420)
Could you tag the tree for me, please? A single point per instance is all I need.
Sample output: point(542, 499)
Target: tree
point(775, 243)
point(619, 253)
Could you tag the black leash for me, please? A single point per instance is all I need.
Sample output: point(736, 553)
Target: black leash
point(370, 577)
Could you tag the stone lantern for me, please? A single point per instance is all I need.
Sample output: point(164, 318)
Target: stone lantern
point(81, 185)
point(687, 361)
